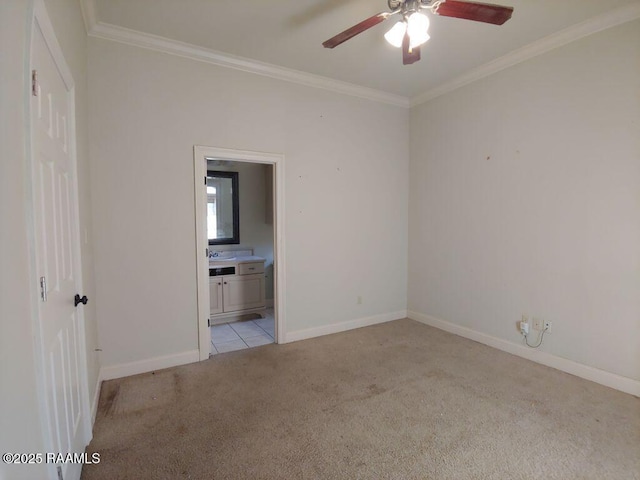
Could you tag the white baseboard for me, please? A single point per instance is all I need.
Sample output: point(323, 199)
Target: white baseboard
point(343, 326)
point(608, 379)
point(149, 365)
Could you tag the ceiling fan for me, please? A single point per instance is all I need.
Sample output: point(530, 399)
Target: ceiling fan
point(411, 32)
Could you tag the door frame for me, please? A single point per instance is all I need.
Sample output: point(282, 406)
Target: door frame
point(41, 20)
point(200, 155)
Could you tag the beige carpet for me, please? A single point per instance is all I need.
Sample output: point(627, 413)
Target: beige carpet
point(395, 401)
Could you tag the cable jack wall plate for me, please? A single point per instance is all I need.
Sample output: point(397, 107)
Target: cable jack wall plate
point(538, 324)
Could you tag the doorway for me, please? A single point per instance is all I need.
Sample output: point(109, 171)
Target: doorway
point(240, 236)
point(231, 256)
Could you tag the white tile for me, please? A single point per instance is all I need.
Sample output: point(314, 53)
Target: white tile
point(265, 322)
point(258, 340)
point(268, 327)
point(223, 333)
point(246, 328)
point(231, 346)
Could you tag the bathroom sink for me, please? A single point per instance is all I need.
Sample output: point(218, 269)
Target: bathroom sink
point(221, 259)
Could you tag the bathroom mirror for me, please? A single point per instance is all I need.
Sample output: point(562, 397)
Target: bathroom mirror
point(223, 215)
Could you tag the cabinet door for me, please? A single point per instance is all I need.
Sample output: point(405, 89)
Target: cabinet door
point(215, 295)
point(243, 291)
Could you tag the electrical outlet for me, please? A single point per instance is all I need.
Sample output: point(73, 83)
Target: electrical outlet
point(547, 326)
point(537, 323)
point(524, 325)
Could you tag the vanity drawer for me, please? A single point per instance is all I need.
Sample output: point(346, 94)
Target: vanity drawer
point(249, 268)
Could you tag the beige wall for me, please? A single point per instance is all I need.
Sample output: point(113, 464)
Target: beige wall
point(346, 190)
point(525, 199)
point(21, 429)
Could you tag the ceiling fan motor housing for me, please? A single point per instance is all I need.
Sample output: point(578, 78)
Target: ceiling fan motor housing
point(407, 7)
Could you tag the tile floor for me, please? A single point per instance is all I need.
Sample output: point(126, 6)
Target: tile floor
point(228, 337)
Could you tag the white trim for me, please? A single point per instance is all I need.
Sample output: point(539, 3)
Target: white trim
point(596, 24)
point(149, 365)
point(202, 269)
point(89, 15)
point(39, 17)
point(173, 47)
point(46, 27)
point(344, 326)
point(96, 397)
point(608, 379)
point(200, 154)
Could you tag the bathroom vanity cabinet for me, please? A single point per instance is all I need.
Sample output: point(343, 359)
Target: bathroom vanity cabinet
point(236, 288)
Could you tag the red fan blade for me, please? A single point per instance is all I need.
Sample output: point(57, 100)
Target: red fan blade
point(409, 55)
point(480, 12)
point(355, 30)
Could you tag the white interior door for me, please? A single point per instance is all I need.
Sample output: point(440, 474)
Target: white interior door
point(57, 253)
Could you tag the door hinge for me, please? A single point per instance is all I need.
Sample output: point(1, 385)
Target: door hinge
point(205, 180)
point(43, 288)
point(34, 83)
point(208, 322)
point(59, 469)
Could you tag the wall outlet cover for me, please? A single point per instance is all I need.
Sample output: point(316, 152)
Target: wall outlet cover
point(538, 324)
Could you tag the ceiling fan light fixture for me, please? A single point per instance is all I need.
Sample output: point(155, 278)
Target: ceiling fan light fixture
point(416, 41)
point(395, 35)
point(417, 28)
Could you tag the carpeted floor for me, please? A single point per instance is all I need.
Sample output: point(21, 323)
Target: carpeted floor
point(399, 400)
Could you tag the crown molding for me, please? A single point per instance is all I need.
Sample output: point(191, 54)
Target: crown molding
point(154, 42)
point(173, 47)
point(596, 24)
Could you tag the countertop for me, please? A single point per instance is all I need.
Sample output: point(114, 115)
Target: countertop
point(217, 262)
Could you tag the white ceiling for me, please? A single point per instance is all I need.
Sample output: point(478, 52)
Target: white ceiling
point(289, 33)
